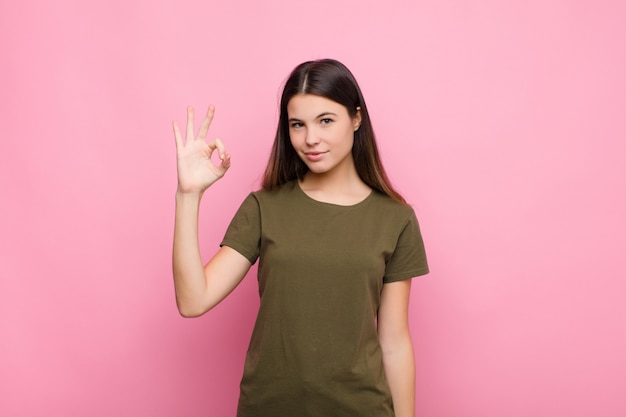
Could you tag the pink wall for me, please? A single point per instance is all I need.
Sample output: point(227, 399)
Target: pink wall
point(503, 122)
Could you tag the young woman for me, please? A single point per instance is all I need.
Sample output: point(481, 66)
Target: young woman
point(336, 245)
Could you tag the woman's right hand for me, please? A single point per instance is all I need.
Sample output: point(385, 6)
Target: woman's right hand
point(196, 170)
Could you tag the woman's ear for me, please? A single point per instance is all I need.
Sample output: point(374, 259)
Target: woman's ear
point(356, 120)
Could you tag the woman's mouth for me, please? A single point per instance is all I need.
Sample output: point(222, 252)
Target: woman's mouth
point(314, 156)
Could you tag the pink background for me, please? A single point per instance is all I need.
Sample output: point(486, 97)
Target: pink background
point(503, 122)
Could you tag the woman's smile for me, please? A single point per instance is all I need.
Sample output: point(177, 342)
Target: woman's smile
point(315, 156)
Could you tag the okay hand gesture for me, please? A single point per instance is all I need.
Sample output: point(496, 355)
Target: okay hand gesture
point(196, 170)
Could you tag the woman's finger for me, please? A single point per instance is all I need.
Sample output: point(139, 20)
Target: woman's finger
point(223, 167)
point(217, 144)
point(206, 123)
point(221, 150)
point(226, 162)
point(177, 137)
point(190, 135)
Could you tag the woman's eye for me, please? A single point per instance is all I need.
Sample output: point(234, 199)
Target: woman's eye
point(296, 125)
point(326, 121)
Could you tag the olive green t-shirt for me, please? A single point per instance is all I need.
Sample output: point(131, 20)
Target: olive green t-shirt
point(314, 350)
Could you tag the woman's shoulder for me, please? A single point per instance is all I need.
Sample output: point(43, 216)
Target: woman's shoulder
point(275, 194)
point(390, 205)
point(276, 190)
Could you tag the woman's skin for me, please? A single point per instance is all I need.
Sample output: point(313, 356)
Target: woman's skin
point(322, 133)
point(200, 288)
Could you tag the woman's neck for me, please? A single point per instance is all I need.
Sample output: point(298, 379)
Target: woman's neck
point(346, 189)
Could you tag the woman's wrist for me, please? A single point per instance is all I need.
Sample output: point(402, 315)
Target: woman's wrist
point(188, 196)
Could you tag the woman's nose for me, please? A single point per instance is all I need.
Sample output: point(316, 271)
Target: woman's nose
point(311, 137)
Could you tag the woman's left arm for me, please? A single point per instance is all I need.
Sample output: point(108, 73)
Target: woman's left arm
point(397, 348)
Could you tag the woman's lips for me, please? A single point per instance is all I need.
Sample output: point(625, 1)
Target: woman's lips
point(314, 156)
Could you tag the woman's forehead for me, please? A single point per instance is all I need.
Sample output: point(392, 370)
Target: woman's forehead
point(311, 106)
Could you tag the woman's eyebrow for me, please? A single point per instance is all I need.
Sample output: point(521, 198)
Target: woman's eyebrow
point(327, 113)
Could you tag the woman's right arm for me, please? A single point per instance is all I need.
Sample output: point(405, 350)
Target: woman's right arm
point(199, 288)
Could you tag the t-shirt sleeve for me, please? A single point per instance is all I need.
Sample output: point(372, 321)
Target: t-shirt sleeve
point(244, 232)
point(409, 257)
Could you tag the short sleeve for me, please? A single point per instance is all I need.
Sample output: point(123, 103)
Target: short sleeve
point(244, 232)
point(409, 257)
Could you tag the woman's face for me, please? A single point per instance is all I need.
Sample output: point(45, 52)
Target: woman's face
point(322, 132)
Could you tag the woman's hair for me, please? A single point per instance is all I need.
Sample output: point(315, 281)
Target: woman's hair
point(330, 79)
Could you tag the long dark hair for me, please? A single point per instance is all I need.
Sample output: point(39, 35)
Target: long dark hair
point(331, 79)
